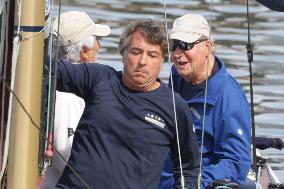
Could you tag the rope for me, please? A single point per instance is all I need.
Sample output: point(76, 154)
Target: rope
point(272, 176)
point(173, 99)
point(23, 38)
point(16, 46)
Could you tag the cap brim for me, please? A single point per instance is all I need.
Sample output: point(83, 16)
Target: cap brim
point(186, 37)
point(101, 30)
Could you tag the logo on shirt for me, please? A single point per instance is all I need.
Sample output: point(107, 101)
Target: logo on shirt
point(70, 132)
point(155, 119)
point(240, 132)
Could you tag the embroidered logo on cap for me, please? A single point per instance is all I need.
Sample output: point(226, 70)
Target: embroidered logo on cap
point(179, 22)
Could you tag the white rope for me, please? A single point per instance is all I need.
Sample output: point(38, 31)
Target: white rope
point(205, 102)
point(173, 99)
point(203, 123)
point(50, 49)
point(15, 55)
point(272, 174)
point(257, 184)
point(26, 37)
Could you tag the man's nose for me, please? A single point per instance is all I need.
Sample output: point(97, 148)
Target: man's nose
point(177, 53)
point(143, 59)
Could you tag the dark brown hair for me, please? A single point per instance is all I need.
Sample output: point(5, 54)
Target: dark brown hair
point(154, 31)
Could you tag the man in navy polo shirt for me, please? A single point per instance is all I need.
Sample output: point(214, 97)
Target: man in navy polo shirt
point(128, 124)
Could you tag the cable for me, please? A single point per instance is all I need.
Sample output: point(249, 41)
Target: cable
point(205, 103)
point(173, 99)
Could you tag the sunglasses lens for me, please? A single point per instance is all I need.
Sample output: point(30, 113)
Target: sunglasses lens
point(179, 44)
point(174, 46)
point(183, 45)
point(190, 46)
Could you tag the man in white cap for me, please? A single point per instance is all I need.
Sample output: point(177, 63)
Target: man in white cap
point(78, 42)
point(227, 134)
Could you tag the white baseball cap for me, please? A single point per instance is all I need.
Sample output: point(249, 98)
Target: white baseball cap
point(189, 28)
point(76, 26)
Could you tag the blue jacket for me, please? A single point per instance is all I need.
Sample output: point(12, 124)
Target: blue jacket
point(227, 134)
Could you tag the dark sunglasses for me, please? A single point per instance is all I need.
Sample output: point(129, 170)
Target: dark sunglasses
point(184, 45)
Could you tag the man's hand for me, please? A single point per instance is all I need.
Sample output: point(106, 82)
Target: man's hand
point(278, 143)
point(264, 143)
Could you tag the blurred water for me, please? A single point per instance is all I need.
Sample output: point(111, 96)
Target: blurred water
point(229, 29)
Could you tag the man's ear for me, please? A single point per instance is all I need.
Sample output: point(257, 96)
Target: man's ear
point(123, 58)
point(210, 45)
point(84, 54)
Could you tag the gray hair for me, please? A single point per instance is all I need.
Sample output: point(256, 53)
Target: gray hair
point(154, 32)
point(211, 40)
point(72, 52)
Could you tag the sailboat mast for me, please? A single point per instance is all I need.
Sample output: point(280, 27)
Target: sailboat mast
point(24, 136)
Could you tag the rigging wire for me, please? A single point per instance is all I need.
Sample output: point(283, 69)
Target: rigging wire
point(249, 48)
point(173, 98)
point(47, 148)
point(50, 109)
point(205, 100)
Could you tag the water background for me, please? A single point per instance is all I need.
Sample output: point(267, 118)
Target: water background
point(229, 29)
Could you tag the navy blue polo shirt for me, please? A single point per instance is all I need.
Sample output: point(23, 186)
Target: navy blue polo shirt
point(123, 136)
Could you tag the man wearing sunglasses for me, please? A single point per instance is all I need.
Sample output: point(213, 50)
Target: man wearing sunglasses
point(227, 136)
